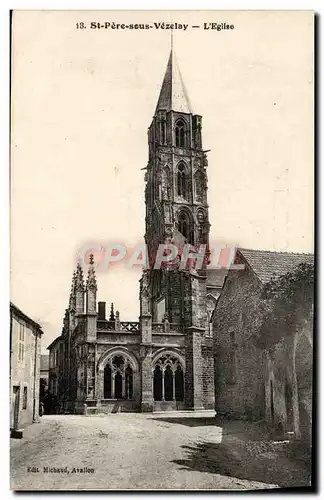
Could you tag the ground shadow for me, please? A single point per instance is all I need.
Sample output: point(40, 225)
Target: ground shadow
point(188, 421)
point(246, 452)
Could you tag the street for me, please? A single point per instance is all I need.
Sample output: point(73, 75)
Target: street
point(175, 450)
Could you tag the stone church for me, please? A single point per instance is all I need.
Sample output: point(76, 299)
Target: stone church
point(164, 360)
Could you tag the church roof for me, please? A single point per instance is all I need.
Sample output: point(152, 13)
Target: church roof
point(173, 94)
point(267, 264)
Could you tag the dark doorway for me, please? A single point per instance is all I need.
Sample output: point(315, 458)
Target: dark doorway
point(129, 382)
point(179, 392)
point(118, 386)
point(271, 401)
point(168, 384)
point(157, 384)
point(107, 382)
point(15, 407)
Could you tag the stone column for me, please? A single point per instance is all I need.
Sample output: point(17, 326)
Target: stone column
point(173, 381)
point(147, 403)
point(193, 376)
point(112, 386)
point(124, 395)
point(100, 384)
point(163, 395)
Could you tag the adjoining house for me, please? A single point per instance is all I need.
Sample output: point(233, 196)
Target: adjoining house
point(44, 368)
point(25, 345)
point(263, 331)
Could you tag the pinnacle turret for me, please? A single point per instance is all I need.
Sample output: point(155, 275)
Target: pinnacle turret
point(112, 314)
point(79, 281)
point(91, 279)
point(72, 293)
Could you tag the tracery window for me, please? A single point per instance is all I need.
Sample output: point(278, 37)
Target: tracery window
point(168, 379)
point(184, 224)
point(118, 378)
point(182, 180)
point(21, 343)
point(180, 134)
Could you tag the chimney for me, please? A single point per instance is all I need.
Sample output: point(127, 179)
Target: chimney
point(101, 310)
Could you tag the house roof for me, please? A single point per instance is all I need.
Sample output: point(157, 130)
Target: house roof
point(267, 264)
point(57, 339)
point(44, 362)
point(19, 313)
point(173, 94)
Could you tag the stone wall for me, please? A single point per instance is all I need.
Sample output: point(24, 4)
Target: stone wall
point(280, 386)
point(288, 383)
point(208, 389)
point(239, 372)
point(25, 372)
point(304, 377)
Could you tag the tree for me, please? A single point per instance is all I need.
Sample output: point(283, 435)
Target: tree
point(287, 304)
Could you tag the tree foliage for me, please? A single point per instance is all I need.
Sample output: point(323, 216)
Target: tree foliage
point(287, 303)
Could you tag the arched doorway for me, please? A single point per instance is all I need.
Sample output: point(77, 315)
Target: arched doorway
point(129, 382)
point(157, 384)
point(168, 379)
point(168, 384)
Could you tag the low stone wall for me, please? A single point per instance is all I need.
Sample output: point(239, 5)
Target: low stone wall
point(168, 405)
point(118, 406)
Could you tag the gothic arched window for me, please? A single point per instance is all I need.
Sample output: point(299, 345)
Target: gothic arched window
point(180, 134)
point(184, 224)
point(118, 378)
point(168, 379)
point(182, 181)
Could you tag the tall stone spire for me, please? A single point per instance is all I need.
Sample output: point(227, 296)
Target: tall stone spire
point(173, 94)
point(72, 294)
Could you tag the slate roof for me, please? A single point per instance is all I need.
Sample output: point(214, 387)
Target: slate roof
point(267, 264)
point(173, 94)
point(44, 362)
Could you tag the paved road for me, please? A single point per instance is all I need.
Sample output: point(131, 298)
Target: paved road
point(135, 451)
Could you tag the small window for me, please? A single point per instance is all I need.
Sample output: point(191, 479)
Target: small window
point(25, 399)
point(21, 342)
point(21, 332)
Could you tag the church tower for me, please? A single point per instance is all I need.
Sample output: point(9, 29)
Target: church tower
point(176, 192)
point(177, 213)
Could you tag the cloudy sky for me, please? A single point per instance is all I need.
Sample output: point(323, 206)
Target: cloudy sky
point(82, 101)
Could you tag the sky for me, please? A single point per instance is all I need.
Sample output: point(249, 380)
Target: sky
point(82, 101)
